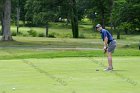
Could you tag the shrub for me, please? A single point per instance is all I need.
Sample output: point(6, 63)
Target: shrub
point(81, 36)
point(20, 34)
point(25, 35)
point(41, 35)
point(14, 33)
point(64, 35)
point(52, 35)
point(32, 33)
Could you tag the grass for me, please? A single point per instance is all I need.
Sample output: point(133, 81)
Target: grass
point(34, 47)
point(57, 30)
point(61, 30)
point(9, 54)
point(69, 75)
point(64, 65)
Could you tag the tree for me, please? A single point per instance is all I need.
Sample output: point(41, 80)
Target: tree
point(130, 14)
point(126, 17)
point(39, 12)
point(74, 19)
point(85, 8)
point(22, 10)
point(6, 21)
point(102, 7)
point(1, 14)
point(116, 16)
point(111, 8)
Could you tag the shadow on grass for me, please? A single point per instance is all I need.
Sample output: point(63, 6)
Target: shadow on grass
point(119, 70)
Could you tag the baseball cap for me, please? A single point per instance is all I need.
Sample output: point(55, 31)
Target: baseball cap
point(98, 25)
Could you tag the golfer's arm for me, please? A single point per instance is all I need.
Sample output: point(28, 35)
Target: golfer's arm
point(105, 41)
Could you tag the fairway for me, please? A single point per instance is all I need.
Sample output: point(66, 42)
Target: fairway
point(69, 75)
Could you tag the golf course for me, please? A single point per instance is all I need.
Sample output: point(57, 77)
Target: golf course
point(64, 65)
point(69, 46)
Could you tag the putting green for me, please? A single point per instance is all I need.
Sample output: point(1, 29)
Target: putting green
point(70, 75)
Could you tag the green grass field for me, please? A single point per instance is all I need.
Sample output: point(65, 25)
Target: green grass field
point(64, 65)
point(69, 75)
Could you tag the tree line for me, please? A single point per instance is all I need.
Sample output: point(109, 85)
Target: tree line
point(120, 15)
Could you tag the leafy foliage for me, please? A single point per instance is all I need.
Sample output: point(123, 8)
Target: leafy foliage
point(127, 13)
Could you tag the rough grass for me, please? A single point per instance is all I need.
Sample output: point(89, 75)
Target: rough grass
point(33, 47)
point(57, 30)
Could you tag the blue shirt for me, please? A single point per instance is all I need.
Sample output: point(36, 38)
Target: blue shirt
point(105, 33)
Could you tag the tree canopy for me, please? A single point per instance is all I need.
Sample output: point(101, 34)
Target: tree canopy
point(120, 14)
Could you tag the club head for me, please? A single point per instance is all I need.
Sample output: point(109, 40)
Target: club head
point(97, 69)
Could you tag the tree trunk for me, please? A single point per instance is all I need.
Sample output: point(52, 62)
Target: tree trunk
point(6, 21)
point(111, 24)
point(18, 17)
point(47, 27)
point(74, 19)
point(118, 34)
point(103, 18)
point(2, 23)
point(101, 10)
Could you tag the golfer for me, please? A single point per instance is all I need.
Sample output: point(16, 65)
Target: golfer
point(109, 45)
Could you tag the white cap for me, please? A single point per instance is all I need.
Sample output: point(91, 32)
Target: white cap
point(98, 25)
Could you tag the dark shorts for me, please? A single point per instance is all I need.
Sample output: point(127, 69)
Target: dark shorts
point(112, 46)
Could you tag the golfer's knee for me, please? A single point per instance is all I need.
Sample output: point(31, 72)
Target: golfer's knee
point(109, 54)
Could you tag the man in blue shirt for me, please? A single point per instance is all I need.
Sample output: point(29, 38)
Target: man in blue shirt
point(109, 45)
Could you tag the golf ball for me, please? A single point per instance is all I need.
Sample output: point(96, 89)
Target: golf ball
point(13, 88)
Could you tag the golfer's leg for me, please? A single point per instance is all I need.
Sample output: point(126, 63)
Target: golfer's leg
point(110, 59)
